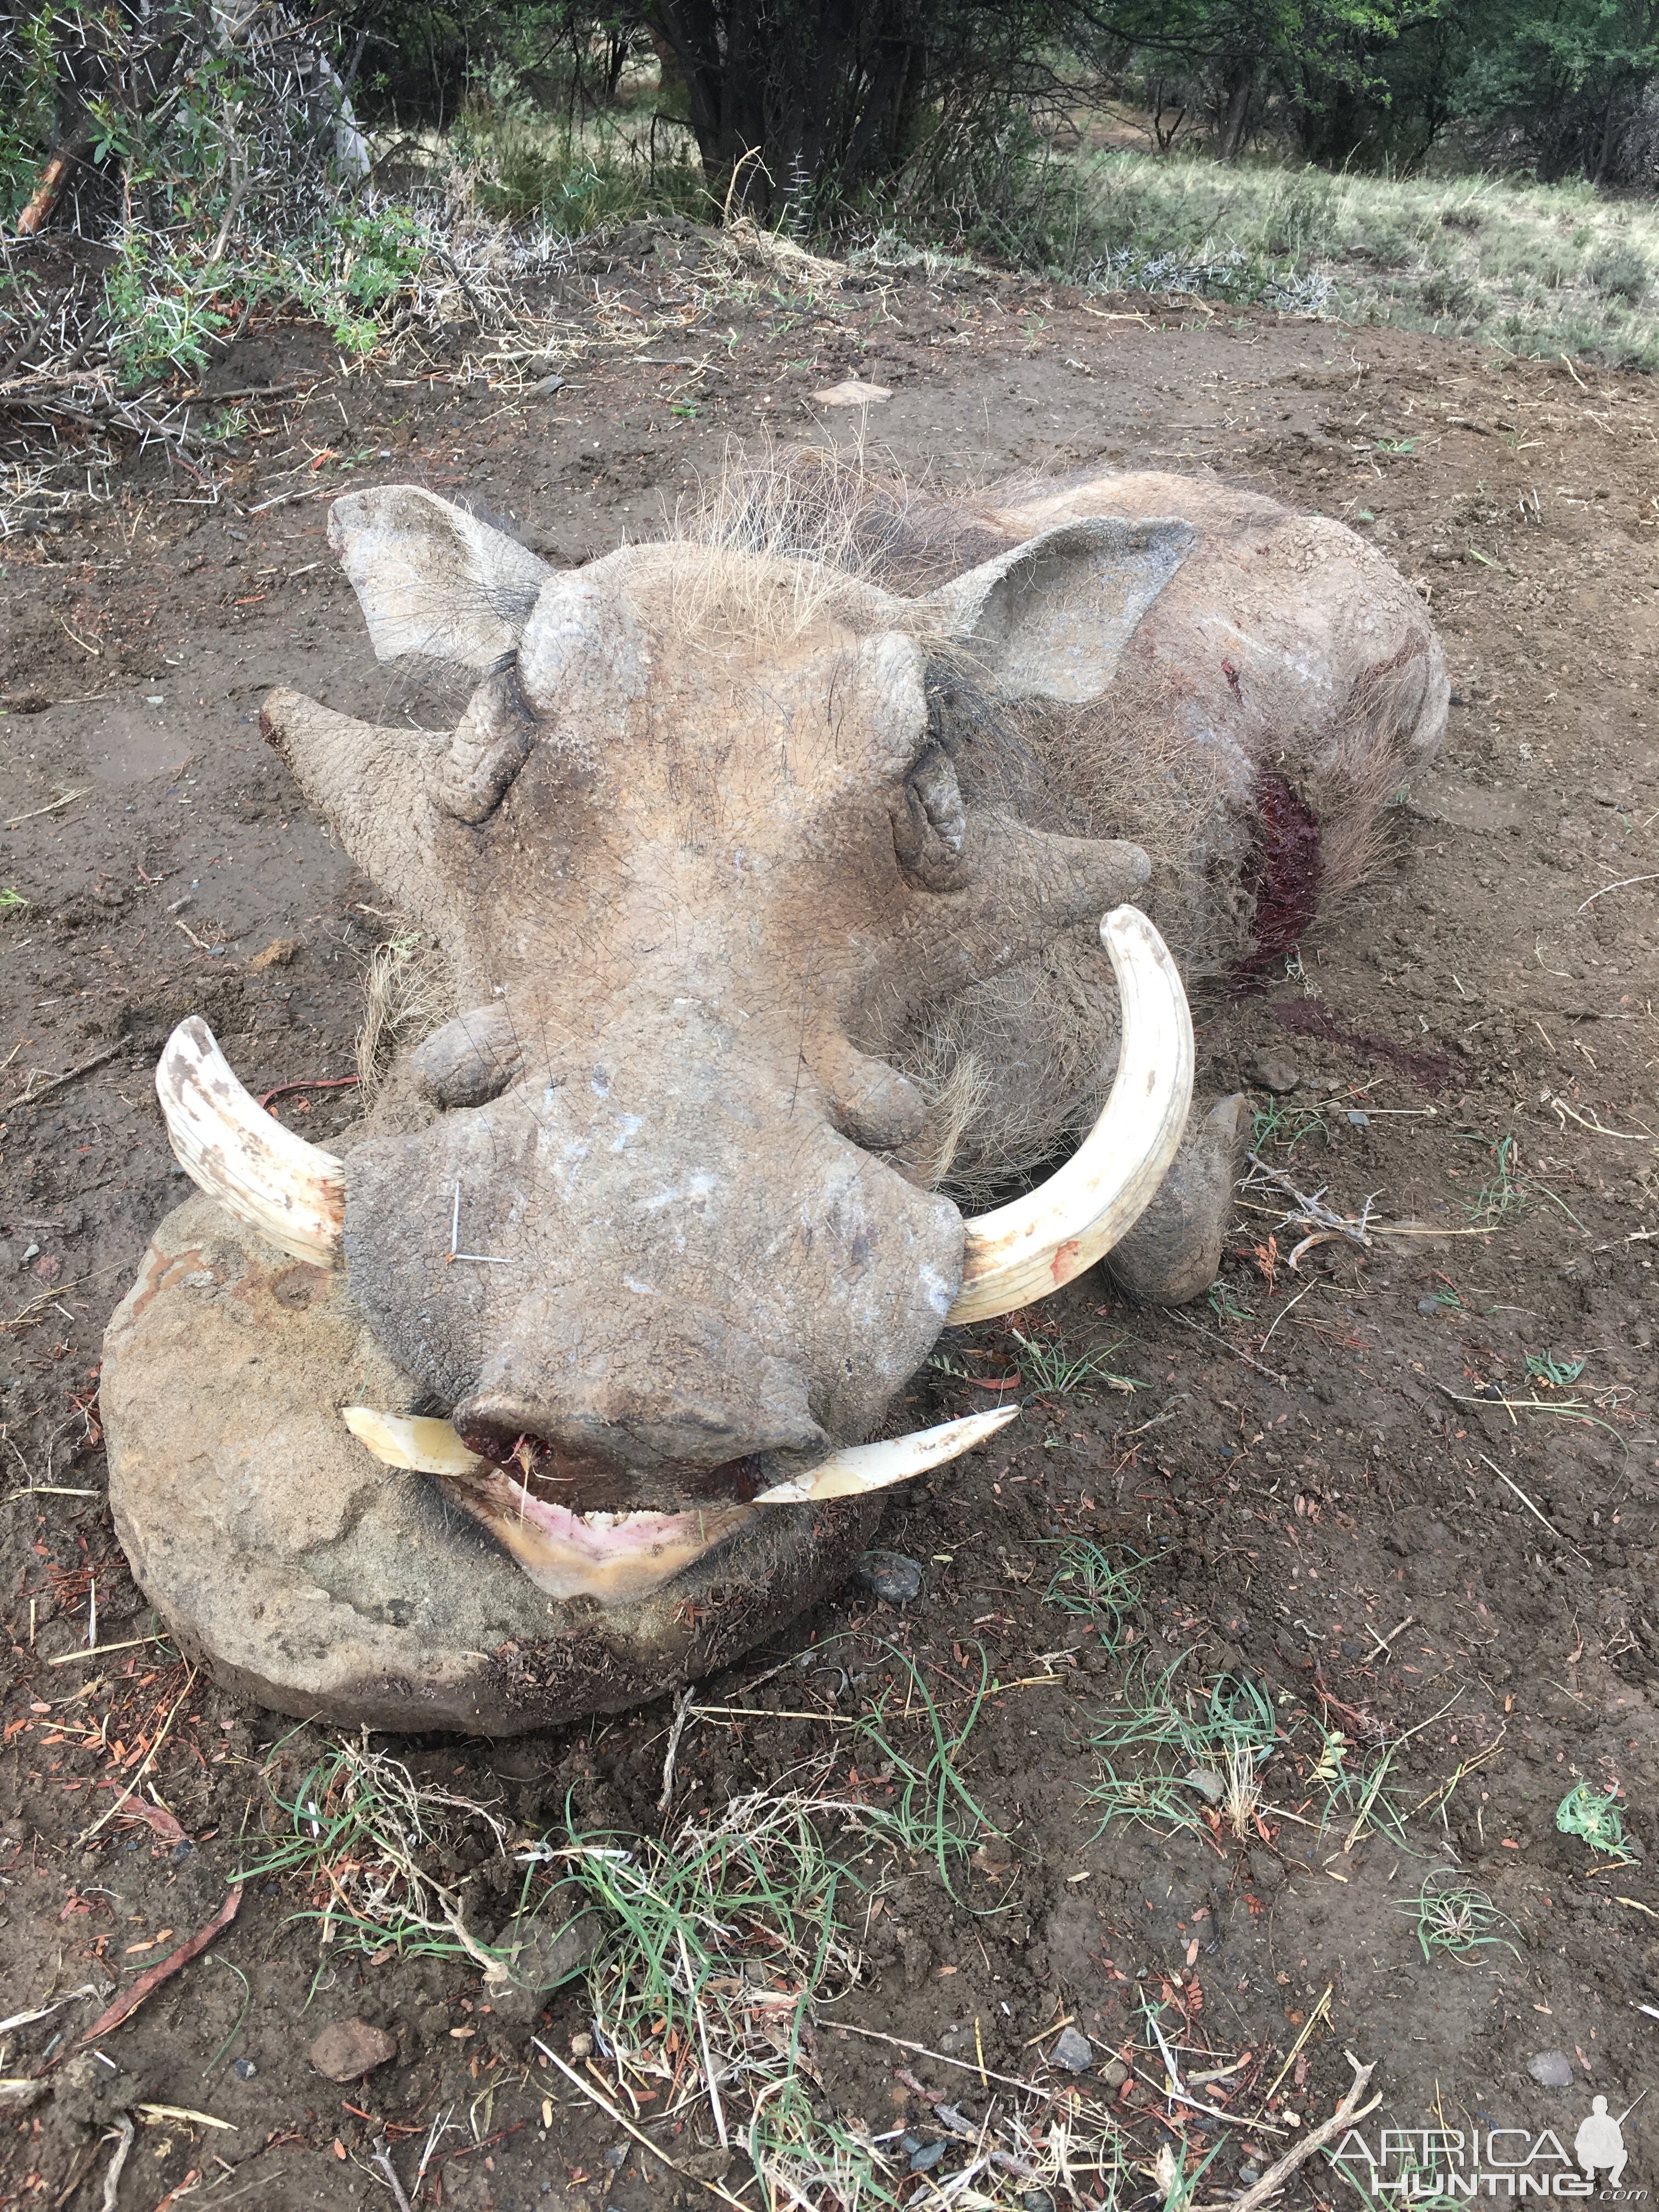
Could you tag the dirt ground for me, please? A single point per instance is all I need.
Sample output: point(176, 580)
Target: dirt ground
point(1408, 1489)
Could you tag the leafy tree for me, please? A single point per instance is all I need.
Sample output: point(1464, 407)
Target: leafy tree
point(1569, 73)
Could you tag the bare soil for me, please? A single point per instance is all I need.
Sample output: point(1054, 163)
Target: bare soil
point(1348, 1486)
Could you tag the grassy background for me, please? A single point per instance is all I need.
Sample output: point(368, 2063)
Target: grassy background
point(1535, 269)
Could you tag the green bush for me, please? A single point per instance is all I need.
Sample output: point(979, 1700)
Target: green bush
point(1446, 292)
point(1621, 270)
point(573, 180)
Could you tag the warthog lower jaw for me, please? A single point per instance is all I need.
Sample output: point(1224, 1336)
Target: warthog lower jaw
point(613, 1557)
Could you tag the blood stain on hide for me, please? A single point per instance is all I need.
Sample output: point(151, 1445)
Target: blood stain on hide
point(1283, 875)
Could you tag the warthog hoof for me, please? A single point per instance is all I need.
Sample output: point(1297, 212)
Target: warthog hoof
point(310, 1578)
point(1173, 1253)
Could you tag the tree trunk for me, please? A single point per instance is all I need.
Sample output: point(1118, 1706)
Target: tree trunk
point(689, 31)
point(49, 186)
point(1240, 85)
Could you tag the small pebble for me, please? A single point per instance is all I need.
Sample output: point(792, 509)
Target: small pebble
point(1036, 2200)
point(547, 387)
point(1249, 2174)
point(1114, 2073)
point(1273, 1071)
point(1358, 1119)
point(351, 2048)
point(1428, 1305)
point(1210, 1786)
point(582, 2046)
point(1074, 2051)
point(245, 2070)
point(1552, 2069)
point(889, 1575)
point(924, 2160)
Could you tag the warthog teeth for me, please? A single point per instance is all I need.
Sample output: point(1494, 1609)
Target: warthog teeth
point(864, 1468)
point(1031, 1246)
point(292, 1193)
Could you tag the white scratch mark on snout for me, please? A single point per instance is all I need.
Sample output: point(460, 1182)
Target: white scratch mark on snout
point(640, 1289)
point(628, 1125)
point(698, 1189)
point(567, 1165)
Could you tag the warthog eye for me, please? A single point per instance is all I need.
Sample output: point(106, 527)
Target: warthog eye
point(930, 829)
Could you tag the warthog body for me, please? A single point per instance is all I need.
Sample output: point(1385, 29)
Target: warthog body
point(768, 864)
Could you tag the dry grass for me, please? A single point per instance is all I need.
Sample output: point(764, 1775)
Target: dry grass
point(400, 1006)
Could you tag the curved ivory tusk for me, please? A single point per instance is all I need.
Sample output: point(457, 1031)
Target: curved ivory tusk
point(864, 1468)
point(429, 1447)
point(1028, 1248)
point(292, 1193)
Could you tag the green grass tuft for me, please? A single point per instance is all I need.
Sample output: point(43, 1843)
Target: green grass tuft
point(1585, 1812)
point(1460, 1921)
point(1088, 1580)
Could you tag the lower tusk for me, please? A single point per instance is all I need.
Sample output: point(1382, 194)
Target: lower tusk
point(863, 1467)
point(292, 1193)
point(429, 1447)
point(1028, 1248)
point(422, 1445)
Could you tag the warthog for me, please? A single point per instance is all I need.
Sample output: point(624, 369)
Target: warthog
point(769, 865)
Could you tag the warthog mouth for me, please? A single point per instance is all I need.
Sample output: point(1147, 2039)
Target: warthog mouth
point(293, 1192)
point(623, 1555)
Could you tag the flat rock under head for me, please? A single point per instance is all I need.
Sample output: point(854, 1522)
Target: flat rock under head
point(311, 1578)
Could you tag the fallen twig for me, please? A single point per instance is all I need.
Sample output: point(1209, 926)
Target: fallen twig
point(1530, 1507)
point(382, 2158)
point(1565, 1409)
point(316, 1083)
point(1198, 1329)
point(682, 1708)
point(612, 2113)
point(1315, 1212)
point(1281, 2170)
point(1320, 2011)
point(129, 2001)
point(35, 812)
point(1597, 1129)
point(1623, 883)
point(27, 1097)
point(112, 2178)
point(44, 1298)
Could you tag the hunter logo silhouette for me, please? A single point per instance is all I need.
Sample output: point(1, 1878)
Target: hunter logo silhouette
point(1600, 2142)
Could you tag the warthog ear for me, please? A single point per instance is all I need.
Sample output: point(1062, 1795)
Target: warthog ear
point(431, 578)
point(1050, 619)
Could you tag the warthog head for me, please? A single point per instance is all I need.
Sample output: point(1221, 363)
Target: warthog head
point(650, 1218)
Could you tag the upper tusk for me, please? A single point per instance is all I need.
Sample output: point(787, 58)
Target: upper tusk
point(864, 1468)
point(429, 1447)
point(1030, 1248)
point(292, 1193)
